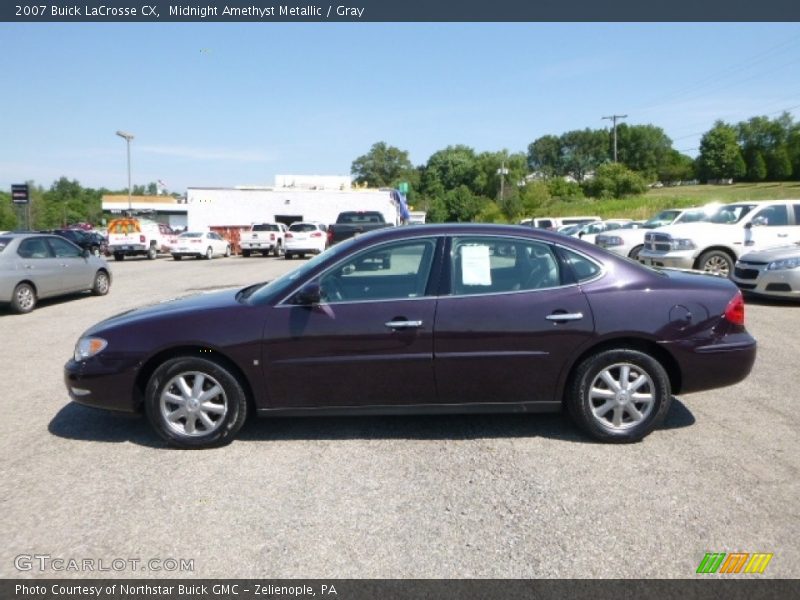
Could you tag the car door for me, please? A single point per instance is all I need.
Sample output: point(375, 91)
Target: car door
point(76, 272)
point(39, 266)
point(510, 322)
point(770, 226)
point(368, 343)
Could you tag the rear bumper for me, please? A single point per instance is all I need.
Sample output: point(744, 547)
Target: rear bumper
point(725, 362)
point(128, 249)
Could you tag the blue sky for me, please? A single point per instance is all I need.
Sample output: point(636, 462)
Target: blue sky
point(227, 104)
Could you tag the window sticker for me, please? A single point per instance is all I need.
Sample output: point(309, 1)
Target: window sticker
point(475, 265)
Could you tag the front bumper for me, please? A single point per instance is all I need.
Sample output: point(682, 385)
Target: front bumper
point(672, 260)
point(754, 278)
point(109, 385)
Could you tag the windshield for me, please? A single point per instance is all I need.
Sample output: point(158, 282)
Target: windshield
point(731, 213)
point(665, 217)
point(281, 285)
point(302, 227)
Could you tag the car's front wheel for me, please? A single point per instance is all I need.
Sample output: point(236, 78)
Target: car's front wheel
point(209, 253)
point(278, 250)
point(152, 253)
point(716, 262)
point(195, 403)
point(619, 395)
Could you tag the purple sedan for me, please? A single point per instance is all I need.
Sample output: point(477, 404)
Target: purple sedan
point(430, 319)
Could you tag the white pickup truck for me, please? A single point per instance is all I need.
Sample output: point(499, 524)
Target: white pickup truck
point(629, 242)
point(264, 238)
point(715, 244)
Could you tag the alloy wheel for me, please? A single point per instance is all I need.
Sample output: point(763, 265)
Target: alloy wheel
point(621, 396)
point(193, 404)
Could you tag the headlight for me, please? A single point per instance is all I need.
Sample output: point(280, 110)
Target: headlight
point(88, 347)
point(782, 265)
point(682, 244)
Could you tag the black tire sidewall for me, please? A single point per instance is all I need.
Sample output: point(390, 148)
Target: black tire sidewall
point(580, 407)
point(237, 402)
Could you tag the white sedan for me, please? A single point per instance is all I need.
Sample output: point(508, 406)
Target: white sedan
point(200, 244)
point(306, 237)
point(773, 272)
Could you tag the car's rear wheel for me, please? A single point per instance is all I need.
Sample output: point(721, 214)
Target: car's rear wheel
point(634, 253)
point(619, 395)
point(245, 253)
point(176, 257)
point(195, 403)
point(227, 251)
point(209, 253)
point(288, 256)
point(278, 250)
point(152, 253)
point(119, 256)
point(716, 262)
point(23, 300)
point(101, 284)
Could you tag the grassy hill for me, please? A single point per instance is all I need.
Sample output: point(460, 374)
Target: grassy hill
point(642, 207)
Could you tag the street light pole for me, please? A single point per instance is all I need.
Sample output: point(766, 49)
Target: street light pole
point(128, 137)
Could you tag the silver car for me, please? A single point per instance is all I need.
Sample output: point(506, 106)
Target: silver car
point(35, 266)
point(772, 272)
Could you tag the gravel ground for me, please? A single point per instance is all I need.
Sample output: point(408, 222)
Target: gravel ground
point(447, 497)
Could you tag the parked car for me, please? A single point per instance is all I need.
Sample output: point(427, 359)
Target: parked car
point(555, 223)
point(589, 231)
point(306, 237)
point(86, 240)
point(355, 222)
point(436, 319)
point(266, 238)
point(714, 245)
point(34, 266)
point(133, 236)
point(773, 272)
point(200, 244)
point(627, 242)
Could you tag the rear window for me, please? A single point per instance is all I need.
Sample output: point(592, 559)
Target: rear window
point(302, 227)
point(265, 227)
point(359, 217)
point(191, 234)
point(4, 241)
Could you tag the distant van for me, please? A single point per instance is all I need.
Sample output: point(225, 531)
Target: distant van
point(554, 223)
point(132, 236)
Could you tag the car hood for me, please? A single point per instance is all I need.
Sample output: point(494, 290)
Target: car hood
point(687, 229)
point(770, 254)
point(205, 301)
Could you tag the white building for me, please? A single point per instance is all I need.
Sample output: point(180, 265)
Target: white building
point(240, 207)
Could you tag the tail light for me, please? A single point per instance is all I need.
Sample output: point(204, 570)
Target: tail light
point(288, 235)
point(141, 239)
point(272, 236)
point(316, 234)
point(734, 312)
point(330, 236)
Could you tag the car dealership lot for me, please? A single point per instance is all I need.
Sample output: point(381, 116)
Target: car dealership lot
point(444, 496)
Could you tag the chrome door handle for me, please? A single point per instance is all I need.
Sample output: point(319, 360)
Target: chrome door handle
point(564, 317)
point(403, 324)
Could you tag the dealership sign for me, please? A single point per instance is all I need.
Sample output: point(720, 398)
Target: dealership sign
point(19, 193)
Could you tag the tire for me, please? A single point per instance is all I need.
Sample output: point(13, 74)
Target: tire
point(209, 253)
point(288, 256)
point(176, 257)
point(152, 253)
point(101, 283)
point(716, 262)
point(227, 251)
point(278, 251)
point(23, 300)
point(119, 256)
point(610, 413)
point(634, 253)
point(164, 398)
point(302, 255)
point(245, 253)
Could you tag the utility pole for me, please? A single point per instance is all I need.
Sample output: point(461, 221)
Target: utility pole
point(613, 119)
point(502, 171)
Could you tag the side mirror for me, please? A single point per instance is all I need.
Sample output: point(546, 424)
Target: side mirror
point(748, 225)
point(308, 295)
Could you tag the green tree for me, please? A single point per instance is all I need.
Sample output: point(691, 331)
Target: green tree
point(643, 148)
point(756, 166)
point(676, 167)
point(487, 173)
point(462, 205)
point(582, 151)
point(382, 166)
point(8, 213)
point(720, 156)
point(544, 156)
point(779, 166)
point(535, 198)
point(449, 169)
point(614, 180)
point(566, 191)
